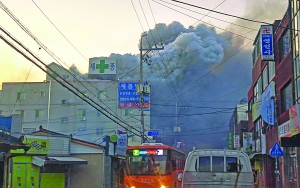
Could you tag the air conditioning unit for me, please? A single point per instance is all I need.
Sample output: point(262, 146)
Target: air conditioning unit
point(82, 118)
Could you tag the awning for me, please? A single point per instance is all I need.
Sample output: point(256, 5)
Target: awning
point(255, 155)
point(41, 161)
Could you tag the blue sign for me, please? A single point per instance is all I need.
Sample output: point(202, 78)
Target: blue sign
point(153, 133)
point(127, 93)
point(266, 38)
point(276, 151)
point(267, 111)
point(5, 123)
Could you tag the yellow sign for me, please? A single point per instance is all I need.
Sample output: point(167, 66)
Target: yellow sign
point(37, 146)
point(257, 166)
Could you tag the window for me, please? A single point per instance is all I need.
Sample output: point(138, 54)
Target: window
point(20, 112)
point(286, 97)
point(82, 114)
point(65, 77)
point(99, 131)
point(265, 80)
point(204, 164)
point(64, 120)
point(101, 95)
point(43, 94)
point(271, 68)
point(98, 113)
point(217, 164)
point(297, 89)
point(39, 113)
point(257, 89)
point(65, 102)
point(258, 128)
point(21, 96)
point(128, 112)
point(284, 45)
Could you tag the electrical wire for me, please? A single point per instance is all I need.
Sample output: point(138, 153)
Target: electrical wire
point(71, 90)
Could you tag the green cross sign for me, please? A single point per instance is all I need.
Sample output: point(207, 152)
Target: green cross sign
point(102, 66)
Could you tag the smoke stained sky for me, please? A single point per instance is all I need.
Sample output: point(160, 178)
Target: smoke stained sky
point(205, 65)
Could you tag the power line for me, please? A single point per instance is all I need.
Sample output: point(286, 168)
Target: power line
point(86, 99)
point(230, 15)
point(47, 50)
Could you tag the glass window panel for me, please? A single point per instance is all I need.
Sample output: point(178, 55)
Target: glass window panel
point(271, 67)
point(259, 87)
point(286, 97)
point(231, 164)
point(98, 113)
point(81, 113)
point(101, 95)
point(265, 77)
point(286, 43)
point(204, 164)
point(295, 7)
point(292, 10)
point(39, 113)
point(218, 164)
point(296, 45)
point(255, 92)
point(297, 66)
point(128, 112)
point(21, 96)
point(297, 88)
point(99, 131)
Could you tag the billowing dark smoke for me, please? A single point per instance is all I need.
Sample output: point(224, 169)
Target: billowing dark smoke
point(195, 84)
point(197, 80)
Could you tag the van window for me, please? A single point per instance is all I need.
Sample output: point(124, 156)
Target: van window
point(217, 164)
point(204, 164)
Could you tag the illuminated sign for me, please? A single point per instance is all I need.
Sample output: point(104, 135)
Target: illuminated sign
point(137, 152)
point(128, 97)
point(266, 37)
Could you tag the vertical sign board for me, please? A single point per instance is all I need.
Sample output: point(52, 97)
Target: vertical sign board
point(128, 96)
point(229, 140)
point(266, 39)
point(247, 142)
point(121, 144)
point(236, 139)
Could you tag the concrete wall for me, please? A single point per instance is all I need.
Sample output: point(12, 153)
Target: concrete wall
point(90, 175)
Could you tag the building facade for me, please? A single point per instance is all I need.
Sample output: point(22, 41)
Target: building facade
point(273, 101)
point(52, 105)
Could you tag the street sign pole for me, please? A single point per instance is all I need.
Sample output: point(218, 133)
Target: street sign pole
point(276, 152)
point(276, 172)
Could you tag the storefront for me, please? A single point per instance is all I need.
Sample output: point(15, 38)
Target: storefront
point(47, 163)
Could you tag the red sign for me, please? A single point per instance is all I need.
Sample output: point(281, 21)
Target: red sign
point(132, 105)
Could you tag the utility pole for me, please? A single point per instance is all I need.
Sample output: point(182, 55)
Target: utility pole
point(177, 128)
point(141, 87)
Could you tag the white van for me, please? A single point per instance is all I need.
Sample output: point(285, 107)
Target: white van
point(213, 168)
